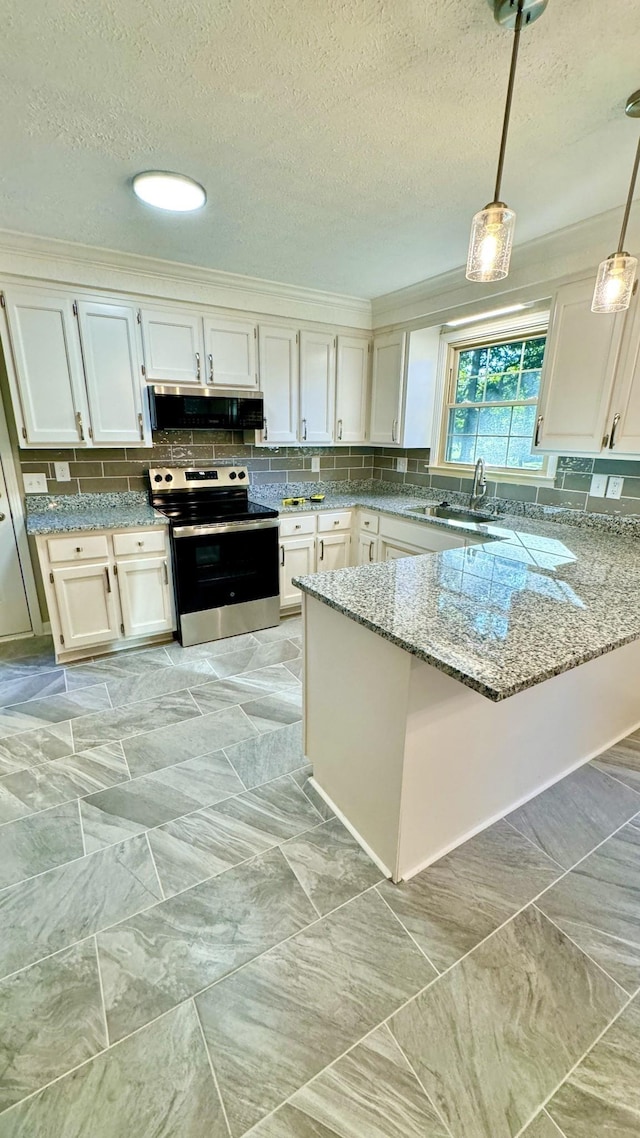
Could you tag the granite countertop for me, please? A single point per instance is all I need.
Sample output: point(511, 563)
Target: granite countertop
point(533, 600)
point(71, 513)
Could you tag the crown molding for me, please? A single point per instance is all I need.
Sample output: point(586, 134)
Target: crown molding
point(27, 256)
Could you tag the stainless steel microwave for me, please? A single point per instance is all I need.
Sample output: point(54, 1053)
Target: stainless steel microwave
point(200, 409)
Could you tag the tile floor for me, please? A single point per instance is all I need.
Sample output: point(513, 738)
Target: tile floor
point(191, 946)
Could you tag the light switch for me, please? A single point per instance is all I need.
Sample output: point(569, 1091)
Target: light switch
point(614, 489)
point(401, 465)
point(35, 483)
point(598, 486)
point(315, 462)
point(62, 471)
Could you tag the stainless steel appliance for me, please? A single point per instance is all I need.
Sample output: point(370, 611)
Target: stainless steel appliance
point(225, 551)
point(205, 408)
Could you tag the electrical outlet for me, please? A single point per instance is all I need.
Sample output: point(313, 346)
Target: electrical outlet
point(35, 483)
point(315, 462)
point(62, 471)
point(614, 487)
point(401, 465)
point(598, 486)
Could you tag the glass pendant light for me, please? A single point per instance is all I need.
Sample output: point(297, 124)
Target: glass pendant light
point(493, 227)
point(616, 275)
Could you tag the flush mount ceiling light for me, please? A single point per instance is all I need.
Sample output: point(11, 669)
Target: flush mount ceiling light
point(492, 228)
point(169, 191)
point(616, 275)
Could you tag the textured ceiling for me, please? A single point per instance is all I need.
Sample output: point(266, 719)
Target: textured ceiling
point(344, 144)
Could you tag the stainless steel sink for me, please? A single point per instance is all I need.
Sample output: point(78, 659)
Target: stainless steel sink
point(454, 514)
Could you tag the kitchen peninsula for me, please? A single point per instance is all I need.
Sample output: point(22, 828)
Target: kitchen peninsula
point(442, 691)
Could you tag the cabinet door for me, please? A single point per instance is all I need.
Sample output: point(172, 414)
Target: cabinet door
point(352, 389)
point(333, 551)
point(387, 387)
point(230, 347)
point(279, 383)
point(297, 559)
point(578, 372)
point(623, 424)
point(391, 551)
point(48, 365)
point(113, 365)
point(86, 607)
point(145, 595)
point(367, 549)
point(173, 346)
point(317, 387)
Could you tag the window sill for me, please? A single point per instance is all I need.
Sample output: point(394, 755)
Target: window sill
point(495, 474)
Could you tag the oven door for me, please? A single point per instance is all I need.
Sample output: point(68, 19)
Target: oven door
point(225, 564)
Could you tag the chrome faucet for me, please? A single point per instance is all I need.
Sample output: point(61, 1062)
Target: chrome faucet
point(479, 487)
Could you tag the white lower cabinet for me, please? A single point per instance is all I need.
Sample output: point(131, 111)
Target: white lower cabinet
point(367, 548)
point(297, 559)
point(333, 551)
point(145, 595)
point(86, 607)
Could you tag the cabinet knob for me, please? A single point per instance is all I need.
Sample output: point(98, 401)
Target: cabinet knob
point(141, 543)
point(297, 527)
point(336, 523)
point(78, 549)
point(367, 523)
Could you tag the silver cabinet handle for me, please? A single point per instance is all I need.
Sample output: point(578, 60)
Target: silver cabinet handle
point(141, 426)
point(371, 551)
point(210, 358)
point(614, 428)
point(339, 430)
point(106, 569)
point(265, 433)
point(282, 555)
point(321, 549)
point(304, 430)
point(198, 366)
point(2, 517)
point(539, 422)
point(79, 426)
point(393, 431)
point(166, 573)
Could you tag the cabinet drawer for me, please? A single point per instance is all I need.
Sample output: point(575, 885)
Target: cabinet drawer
point(144, 541)
point(297, 525)
point(339, 519)
point(370, 523)
point(82, 547)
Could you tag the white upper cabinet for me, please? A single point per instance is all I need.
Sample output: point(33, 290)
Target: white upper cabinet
point(317, 386)
point(48, 367)
point(279, 383)
point(387, 387)
point(623, 424)
point(173, 346)
point(579, 369)
point(352, 389)
point(113, 367)
point(230, 347)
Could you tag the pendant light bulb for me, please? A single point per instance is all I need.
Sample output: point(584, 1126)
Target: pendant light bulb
point(491, 242)
point(614, 283)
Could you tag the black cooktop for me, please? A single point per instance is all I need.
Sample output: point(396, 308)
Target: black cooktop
point(208, 513)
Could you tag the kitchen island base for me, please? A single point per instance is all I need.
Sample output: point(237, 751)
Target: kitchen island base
point(415, 762)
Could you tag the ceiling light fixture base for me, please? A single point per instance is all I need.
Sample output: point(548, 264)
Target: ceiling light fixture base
point(632, 108)
point(505, 12)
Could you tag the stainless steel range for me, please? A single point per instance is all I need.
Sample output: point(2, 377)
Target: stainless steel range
point(225, 551)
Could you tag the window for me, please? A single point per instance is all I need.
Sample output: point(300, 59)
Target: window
point(491, 403)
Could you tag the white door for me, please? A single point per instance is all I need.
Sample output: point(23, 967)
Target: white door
point(14, 613)
point(297, 559)
point(387, 385)
point(230, 347)
point(279, 383)
point(113, 365)
point(145, 595)
point(48, 363)
point(623, 424)
point(86, 606)
point(367, 549)
point(352, 389)
point(173, 346)
point(580, 361)
point(333, 551)
point(317, 387)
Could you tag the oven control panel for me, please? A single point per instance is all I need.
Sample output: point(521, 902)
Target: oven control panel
point(191, 478)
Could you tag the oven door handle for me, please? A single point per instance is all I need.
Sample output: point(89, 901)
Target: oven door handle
point(223, 527)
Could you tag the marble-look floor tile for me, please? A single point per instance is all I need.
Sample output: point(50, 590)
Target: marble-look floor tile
point(494, 1037)
point(622, 761)
point(296, 667)
point(113, 815)
point(159, 958)
point(571, 818)
point(602, 1095)
point(21, 688)
point(35, 652)
point(275, 711)
point(212, 649)
point(598, 906)
point(330, 865)
point(34, 747)
point(40, 842)
point(51, 709)
point(206, 843)
point(251, 659)
point(58, 908)
point(542, 1127)
point(459, 900)
point(199, 736)
point(265, 757)
point(61, 780)
point(288, 627)
point(51, 1019)
point(156, 1084)
point(244, 687)
point(161, 681)
point(302, 777)
point(370, 1093)
point(117, 666)
point(134, 719)
point(282, 1019)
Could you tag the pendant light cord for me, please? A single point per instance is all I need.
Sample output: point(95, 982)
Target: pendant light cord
point(507, 109)
point(627, 208)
